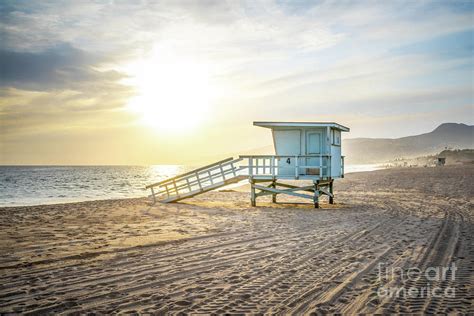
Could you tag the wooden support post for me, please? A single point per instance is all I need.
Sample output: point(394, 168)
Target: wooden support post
point(316, 194)
point(253, 198)
point(274, 196)
point(342, 166)
point(331, 190)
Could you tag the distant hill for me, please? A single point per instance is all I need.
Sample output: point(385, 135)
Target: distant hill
point(374, 150)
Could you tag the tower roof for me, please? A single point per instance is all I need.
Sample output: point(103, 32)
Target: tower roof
point(302, 124)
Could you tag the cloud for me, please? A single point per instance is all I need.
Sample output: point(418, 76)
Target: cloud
point(60, 67)
point(47, 112)
point(225, 28)
point(118, 26)
point(57, 89)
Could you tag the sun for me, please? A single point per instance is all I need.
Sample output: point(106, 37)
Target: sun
point(173, 93)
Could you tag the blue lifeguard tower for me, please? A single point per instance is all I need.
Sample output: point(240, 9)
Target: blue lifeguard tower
point(308, 151)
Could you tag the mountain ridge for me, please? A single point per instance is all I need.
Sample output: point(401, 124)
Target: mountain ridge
point(373, 150)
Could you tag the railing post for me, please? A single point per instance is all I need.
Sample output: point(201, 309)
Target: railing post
point(264, 159)
point(167, 190)
point(222, 172)
point(273, 165)
point(256, 165)
point(233, 169)
point(210, 176)
point(296, 167)
point(320, 166)
point(189, 185)
point(153, 194)
point(175, 187)
point(250, 166)
point(199, 181)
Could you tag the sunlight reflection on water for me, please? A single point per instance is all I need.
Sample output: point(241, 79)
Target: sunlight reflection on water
point(31, 185)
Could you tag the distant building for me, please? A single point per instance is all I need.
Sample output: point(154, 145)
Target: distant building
point(441, 161)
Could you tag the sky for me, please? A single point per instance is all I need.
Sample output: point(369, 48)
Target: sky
point(180, 82)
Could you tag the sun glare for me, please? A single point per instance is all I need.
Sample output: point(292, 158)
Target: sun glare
point(173, 93)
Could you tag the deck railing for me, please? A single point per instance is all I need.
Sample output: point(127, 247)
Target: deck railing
point(292, 166)
point(231, 170)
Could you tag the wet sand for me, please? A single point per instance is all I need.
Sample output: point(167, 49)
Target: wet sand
point(215, 253)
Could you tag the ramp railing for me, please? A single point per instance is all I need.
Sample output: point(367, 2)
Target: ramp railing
point(196, 181)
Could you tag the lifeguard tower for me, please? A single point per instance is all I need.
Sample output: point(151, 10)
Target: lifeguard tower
point(309, 151)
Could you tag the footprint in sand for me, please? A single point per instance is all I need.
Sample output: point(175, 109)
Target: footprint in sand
point(183, 303)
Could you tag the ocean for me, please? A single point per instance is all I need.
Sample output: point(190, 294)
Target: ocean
point(33, 185)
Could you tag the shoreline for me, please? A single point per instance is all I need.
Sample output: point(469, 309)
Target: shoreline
point(72, 202)
point(231, 186)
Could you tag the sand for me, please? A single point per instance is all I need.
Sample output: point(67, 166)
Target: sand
point(215, 253)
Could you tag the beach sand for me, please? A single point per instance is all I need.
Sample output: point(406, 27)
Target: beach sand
point(215, 253)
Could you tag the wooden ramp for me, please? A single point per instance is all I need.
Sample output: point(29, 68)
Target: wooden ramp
point(197, 181)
